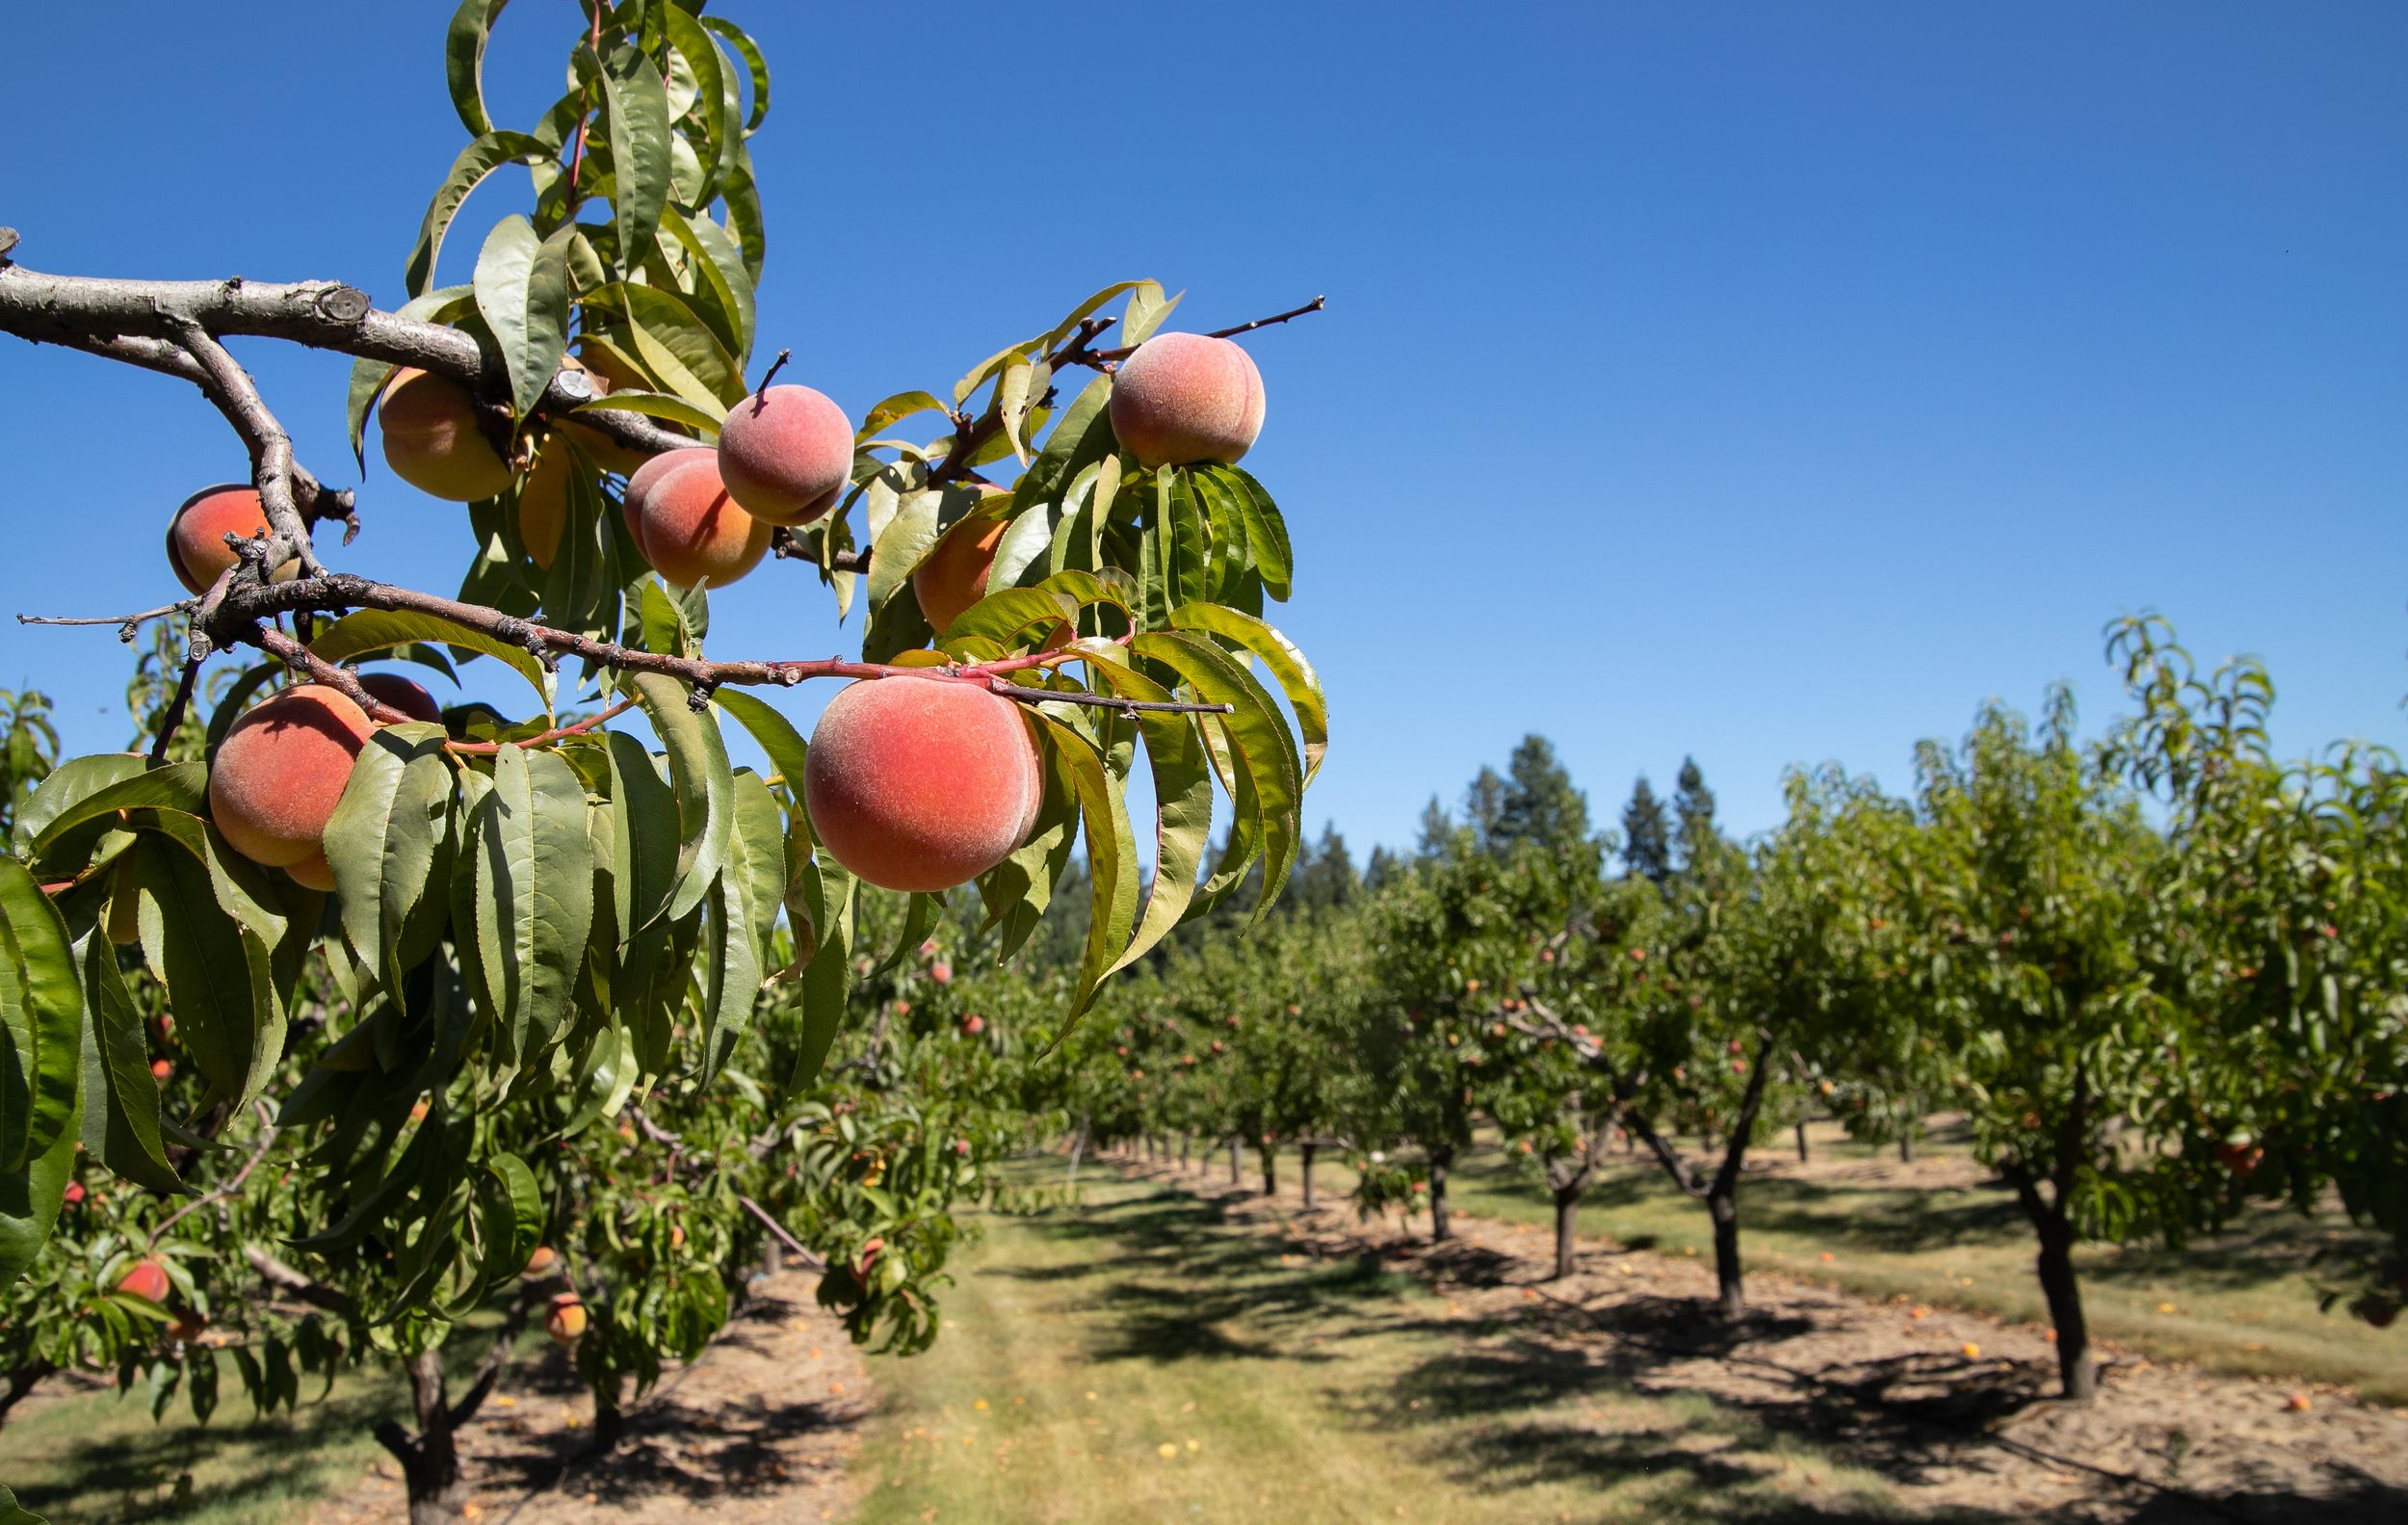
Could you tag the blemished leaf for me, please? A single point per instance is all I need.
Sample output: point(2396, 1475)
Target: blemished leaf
point(1020, 382)
point(521, 283)
point(463, 61)
point(371, 630)
point(659, 405)
point(775, 733)
point(389, 843)
point(481, 158)
point(1147, 310)
point(534, 889)
point(1297, 677)
point(755, 63)
point(894, 410)
point(121, 1123)
point(42, 1022)
point(635, 102)
point(705, 785)
point(1112, 859)
point(1062, 329)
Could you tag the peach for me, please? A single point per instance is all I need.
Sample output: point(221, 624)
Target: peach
point(403, 694)
point(567, 1318)
point(161, 1070)
point(786, 453)
point(197, 545)
point(543, 500)
point(313, 872)
point(955, 575)
point(541, 1262)
point(649, 476)
point(922, 783)
point(1187, 397)
point(692, 531)
point(432, 440)
point(280, 772)
point(148, 1280)
point(608, 377)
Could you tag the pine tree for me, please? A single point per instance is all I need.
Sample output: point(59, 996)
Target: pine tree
point(1695, 832)
point(1540, 804)
point(1483, 808)
point(1437, 830)
point(1646, 836)
point(1324, 875)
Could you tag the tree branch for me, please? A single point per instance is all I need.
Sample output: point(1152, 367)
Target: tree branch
point(276, 1274)
point(266, 1142)
point(230, 386)
point(784, 1238)
point(1104, 360)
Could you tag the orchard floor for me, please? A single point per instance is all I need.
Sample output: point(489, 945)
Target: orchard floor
point(1949, 1410)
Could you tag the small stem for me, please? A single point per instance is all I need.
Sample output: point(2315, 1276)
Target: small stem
point(1101, 357)
point(175, 716)
point(761, 394)
point(125, 623)
point(575, 728)
point(266, 1142)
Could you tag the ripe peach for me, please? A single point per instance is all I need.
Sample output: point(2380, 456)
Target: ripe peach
point(922, 783)
point(313, 872)
point(541, 1262)
point(432, 440)
point(197, 545)
point(692, 531)
point(973, 1025)
point(280, 772)
point(647, 477)
point(567, 1318)
point(406, 694)
point(1187, 397)
point(161, 1070)
point(953, 577)
point(786, 453)
point(74, 1196)
point(148, 1280)
point(941, 972)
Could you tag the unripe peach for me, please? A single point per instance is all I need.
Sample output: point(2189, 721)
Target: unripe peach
point(567, 1318)
point(955, 575)
point(692, 531)
point(148, 1280)
point(785, 454)
point(432, 440)
point(922, 783)
point(406, 694)
point(543, 500)
point(1187, 397)
point(280, 772)
point(197, 545)
point(541, 1262)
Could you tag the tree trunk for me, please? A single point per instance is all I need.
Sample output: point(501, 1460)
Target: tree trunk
point(2074, 1368)
point(1730, 1301)
point(1270, 1170)
point(1233, 1161)
point(1306, 1167)
point(1439, 1228)
point(1906, 1148)
point(1078, 1146)
point(1185, 1139)
point(429, 1460)
point(1801, 1143)
point(610, 1423)
point(773, 1258)
point(1567, 1213)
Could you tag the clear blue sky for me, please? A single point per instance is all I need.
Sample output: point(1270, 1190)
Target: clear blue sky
point(1769, 383)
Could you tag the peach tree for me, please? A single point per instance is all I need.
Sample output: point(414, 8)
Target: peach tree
point(426, 938)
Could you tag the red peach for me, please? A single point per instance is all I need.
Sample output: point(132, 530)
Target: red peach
point(786, 453)
point(692, 532)
point(148, 1280)
point(196, 547)
point(280, 772)
point(406, 694)
point(922, 783)
point(1187, 397)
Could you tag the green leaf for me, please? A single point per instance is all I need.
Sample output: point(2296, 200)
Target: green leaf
point(216, 970)
point(678, 349)
point(42, 1022)
point(535, 893)
point(659, 404)
point(1146, 310)
point(705, 785)
point(1183, 798)
point(1263, 749)
point(120, 1123)
point(521, 283)
point(732, 973)
point(481, 158)
point(775, 733)
point(30, 1197)
point(635, 102)
point(12, 1513)
point(368, 630)
point(754, 63)
point(894, 410)
point(388, 843)
point(820, 903)
point(178, 786)
point(72, 782)
point(1112, 859)
point(744, 213)
point(719, 269)
point(463, 61)
point(1297, 677)
point(1264, 529)
point(643, 836)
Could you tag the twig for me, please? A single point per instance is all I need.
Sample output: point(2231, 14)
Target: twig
point(276, 1274)
point(1101, 358)
point(779, 1229)
point(175, 716)
point(761, 393)
point(786, 545)
point(125, 623)
point(267, 1141)
point(230, 387)
point(574, 728)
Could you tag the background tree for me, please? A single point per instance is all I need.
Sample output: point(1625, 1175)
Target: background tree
point(1646, 836)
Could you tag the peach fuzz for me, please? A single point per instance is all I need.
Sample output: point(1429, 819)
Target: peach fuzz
point(786, 453)
point(432, 440)
point(280, 772)
point(922, 783)
point(691, 529)
point(1183, 398)
point(196, 547)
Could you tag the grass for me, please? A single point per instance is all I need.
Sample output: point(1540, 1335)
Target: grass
point(96, 1459)
point(1144, 1358)
point(2242, 1303)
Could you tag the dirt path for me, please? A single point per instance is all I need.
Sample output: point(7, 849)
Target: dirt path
point(758, 1430)
point(1951, 1408)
